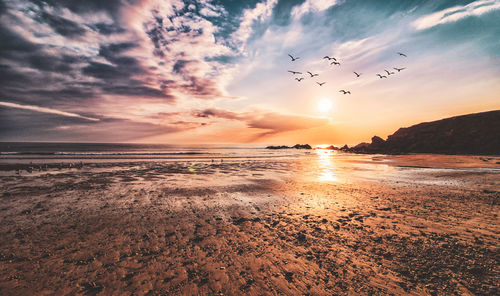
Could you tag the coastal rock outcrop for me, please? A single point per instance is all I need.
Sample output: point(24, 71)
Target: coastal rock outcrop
point(296, 146)
point(477, 133)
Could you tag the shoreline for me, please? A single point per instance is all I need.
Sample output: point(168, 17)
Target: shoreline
point(312, 225)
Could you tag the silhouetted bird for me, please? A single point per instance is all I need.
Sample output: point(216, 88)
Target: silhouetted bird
point(357, 74)
point(381, 76)
point(329, 58)
point(389, 73)
point(399, 69)
point(335, 63)
point(299, 79)
point(294, 72)
point(345, 92)
point(320, 83)
point(293, 59)
point(402, 54)
point(312, 75)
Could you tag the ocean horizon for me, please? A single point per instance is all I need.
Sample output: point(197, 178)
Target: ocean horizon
point(42, 150)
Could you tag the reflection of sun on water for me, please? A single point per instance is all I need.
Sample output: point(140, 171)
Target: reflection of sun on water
point(326, 165)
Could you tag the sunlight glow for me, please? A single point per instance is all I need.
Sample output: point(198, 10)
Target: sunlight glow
point(326, 166)
point(325, 105)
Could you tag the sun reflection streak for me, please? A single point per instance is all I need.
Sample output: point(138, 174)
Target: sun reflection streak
point(327, 170)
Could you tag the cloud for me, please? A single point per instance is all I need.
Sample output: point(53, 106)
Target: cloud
point(275, 123)
point(148, 64)
point(251, 17)
point(63, 26)
point(19, 124)
point(46, 110)
point(271, 122)
point(112, 48)
point(312, 6)
point(218, 113)
point(455, 13)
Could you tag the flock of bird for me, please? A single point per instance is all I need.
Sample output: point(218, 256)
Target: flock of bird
point(334, 61)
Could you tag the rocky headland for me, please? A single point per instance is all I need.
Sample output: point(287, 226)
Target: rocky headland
point(477, 133)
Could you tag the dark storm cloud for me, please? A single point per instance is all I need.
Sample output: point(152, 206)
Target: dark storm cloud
point(141, 91)
point(3, 8)
point(10, 77)
point(31, 87)
point(107, 29)
point(63, 26)
point(105, 71)
point(115, 49)
point(78, 6)
point(11, 43)
point(13, 120)
point(49, 63)
point(18, 124)
point(179, 66)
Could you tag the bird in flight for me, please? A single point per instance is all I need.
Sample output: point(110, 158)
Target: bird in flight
point(312, 75)
point(399, 69)
point(329, 58)
point(299, 79)
point(335, 63)
point(294, 72)
point(357, 74)
point(293, 59)
point(320, 83)
point(402, 54)
point(381, 76)
point(389, 73)
point(345, 92)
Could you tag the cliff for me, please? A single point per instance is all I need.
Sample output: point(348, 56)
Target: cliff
point(477, 133)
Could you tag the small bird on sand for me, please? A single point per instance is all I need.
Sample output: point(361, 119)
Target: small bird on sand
point(399, 69)
point(320, 83)
point(294, 72)
point(389, 73)
point(293, 58)
point(357, 74)
point(402, 54)
point(381, 76)
point(299, 79)
point(312, 75)
point(345, 92)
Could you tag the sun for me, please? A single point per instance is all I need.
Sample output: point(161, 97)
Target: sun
point(325, 105)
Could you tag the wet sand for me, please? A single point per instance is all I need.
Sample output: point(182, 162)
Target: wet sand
point(316, 225)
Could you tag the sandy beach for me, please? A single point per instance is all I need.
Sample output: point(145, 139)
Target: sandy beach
point(321, 224)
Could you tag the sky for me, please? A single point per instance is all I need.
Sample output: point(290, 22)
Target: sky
point(189, 72)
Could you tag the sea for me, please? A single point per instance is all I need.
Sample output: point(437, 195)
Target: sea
point(66, 151)
point(318, 164)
